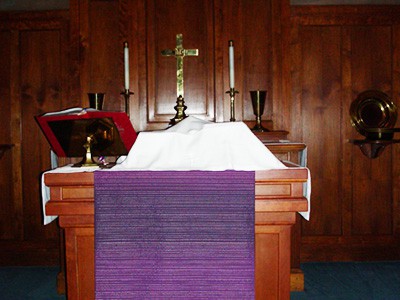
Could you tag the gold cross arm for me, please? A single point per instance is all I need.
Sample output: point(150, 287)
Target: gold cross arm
point(179, 52)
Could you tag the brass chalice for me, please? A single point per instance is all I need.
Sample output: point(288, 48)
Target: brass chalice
point(258, 102)
point(96, 100)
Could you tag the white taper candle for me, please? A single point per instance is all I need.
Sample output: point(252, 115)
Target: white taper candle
point(231, 66)
point(126, 65)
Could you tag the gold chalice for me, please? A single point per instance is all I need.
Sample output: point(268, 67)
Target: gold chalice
point(258, 102)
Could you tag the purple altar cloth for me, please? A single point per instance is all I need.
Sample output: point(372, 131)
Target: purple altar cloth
point(174, 235)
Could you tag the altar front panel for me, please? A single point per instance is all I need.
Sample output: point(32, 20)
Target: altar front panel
point(279, 196)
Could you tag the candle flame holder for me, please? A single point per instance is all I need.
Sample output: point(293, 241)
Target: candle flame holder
point(127, 95)
point(232, 92)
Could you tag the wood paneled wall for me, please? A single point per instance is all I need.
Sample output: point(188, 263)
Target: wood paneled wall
point(151, 26)
point(337, 53)
point(34, 62)
point(313, 61)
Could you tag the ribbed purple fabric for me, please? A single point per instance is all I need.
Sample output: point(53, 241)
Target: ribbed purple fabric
point(174, 235)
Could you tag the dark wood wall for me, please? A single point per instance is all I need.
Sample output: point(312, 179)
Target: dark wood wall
point(34, 71)
point(337, 53)
point(313, 61)
point(151, 26)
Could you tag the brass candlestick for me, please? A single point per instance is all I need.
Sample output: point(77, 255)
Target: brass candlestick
point(126, 95)
point(232, 93)
point(87, 160)
point(258, 102)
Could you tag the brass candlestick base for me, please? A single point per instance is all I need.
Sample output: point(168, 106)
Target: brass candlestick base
point(232, 94)
point(258, 102)
point(127, 95)
point(180, 108)
point(87, 160)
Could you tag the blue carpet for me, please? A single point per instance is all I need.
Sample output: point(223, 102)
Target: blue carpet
point(339, 281)
point(29, 283)
point(350, 280)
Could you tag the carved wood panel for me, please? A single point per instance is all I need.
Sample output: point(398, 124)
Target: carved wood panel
point(194, 20)
point(41, 91)
point(7, 226)
point(321, 111)
point(371, 68)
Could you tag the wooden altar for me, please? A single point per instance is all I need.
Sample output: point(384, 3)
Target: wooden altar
point(279, 196)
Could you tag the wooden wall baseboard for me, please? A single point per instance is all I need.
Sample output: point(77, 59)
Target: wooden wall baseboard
point(29, 253)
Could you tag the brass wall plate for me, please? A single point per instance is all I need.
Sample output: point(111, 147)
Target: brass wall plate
point(373, 110)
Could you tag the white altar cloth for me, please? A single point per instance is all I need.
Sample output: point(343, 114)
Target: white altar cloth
point(195, 144)
point(192, 144)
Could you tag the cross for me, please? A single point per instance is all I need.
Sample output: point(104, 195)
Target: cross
point(179, 54)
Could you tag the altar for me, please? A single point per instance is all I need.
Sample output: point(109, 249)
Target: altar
point(278, 198)
point(193, 145)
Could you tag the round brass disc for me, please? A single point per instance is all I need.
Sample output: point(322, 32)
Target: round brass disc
point(371, 110)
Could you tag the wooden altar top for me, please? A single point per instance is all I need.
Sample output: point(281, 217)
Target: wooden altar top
point(274, 189)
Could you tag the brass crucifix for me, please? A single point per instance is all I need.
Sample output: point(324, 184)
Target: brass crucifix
point(179, 52)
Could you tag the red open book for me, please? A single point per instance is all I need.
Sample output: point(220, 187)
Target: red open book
point(67, 132)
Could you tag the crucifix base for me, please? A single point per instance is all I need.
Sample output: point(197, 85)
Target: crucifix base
point(180, 108)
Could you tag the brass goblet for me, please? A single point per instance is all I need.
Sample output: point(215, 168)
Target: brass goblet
point(258, 102)
point(96, 100)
